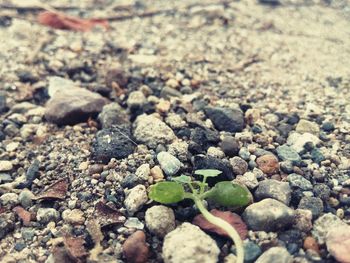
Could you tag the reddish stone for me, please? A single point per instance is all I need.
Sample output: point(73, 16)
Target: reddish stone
point(233, 219)
point(311, 243)
point(135, 248)
point(338, 243)
point(268, 164)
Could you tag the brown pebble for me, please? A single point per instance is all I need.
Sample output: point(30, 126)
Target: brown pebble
point(135, 248)
point(268, 164)
point(95, 169)
point(157, 173)
point(233, 219)
point(311, 243)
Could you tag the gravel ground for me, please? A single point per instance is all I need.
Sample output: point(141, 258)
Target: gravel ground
point(89, 121)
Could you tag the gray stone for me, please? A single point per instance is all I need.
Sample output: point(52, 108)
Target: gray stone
point(169, 164)
point(160, 220)
point(135, 199)
point(9, 199)
point(248, 179)
point(239, 166)
point(286, 153)
point(71, 106)
point(5, 178)
point(25, 198)
point(275, 255)
point(305, 126)
point(298, 181)
point(112, 142)
point(134, 222)
point(274, 189)
point(5, 166)
point(225, 119)
point(112, 114)
point(46, 215)
point(314, 204)
point(152, 131)
point(136, 100)
point(7, 224)
point(189, 244)
point(268, 215)
point(143, 172)
point(323, 224)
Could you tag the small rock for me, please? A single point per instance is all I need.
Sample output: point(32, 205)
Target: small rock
point(5, 166)
point(215, 152)
point(248, 179)
point(268, 164)
point(116, 76)
point(143, 172)
point(338, 243)
point(152, 131)
point(322, 191)
point(135, 199)
point(135, 248)
point(186, 243)
point(275, 255)
point(317, 156)
point(314, 204)
point(225, 119)
point(113, 114)
point(157, 173)
point(7, 224)
point(169, 163)
point(230, 146)
point(160, 220)
point(251, 252)
point(95, 169)
point(74, 217)
point(305, 126)
point(25, 198)
point(12, 146)
point(298, 141)
point(311, 243)
point(179, 149)
point(9, 199)
point(274, 189)
point(233, 219)
point(46, 215)
point(297, 181)
point(136, 100)
point(135, 223)
point(239, 166)
point(286, 153)
point(303, 220)
point(73, 105)
point(268, 215)
point(3, 105)
point(323, 224)
point(327, 126)
point(112, 142)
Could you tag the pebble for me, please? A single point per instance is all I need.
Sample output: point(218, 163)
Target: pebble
point(314, 204)
point(322, 191)
point(215, 152)
point(274, 189)
point(135, 248)
point(5, 166)
point(299, 141)
point(74, 217)
point(311, 243)
point(157, 173)
point(268, 164)
point(135, 199)
point(46, 215)
point(251, 251)
point(225, 119)
point(268, 215)
point(248, 179)
point(338, 243)
point(112, 114)
point(327, 126)
point(233, 219)
point(7, 224)
point(9, 199)
point(112, 142)
point(73, 105)
point(179, 149)
point(134, 223)
point(286, 153)
point(230, 146)
point(188, 243)
point(136, 100)
point(143, 172)
point(275, 255)
point(303, 220)
point(305, 126)
point(152, 131)
point(298, 181)
point(160, 220)
point(239, 166)
point(12, 146)
point(25, 198)
point(169, 163)
point(323, 224)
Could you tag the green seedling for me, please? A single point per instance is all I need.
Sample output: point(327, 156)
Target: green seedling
point(225, 193)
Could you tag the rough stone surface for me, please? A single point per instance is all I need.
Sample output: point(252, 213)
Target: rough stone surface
point(276, 255)
point(135, 248)
point(112, 114)
point(189, 244)
point(239, 166)
point(160, 220)
point(274, 189)
point(46, 215)
point(323, 224)
point(338, 243)
point(70, 106)
point(298, 181)
point(268, 164)
point(143, 171)
point(169, 163)
point(5, 166)
point(135, 199)
point(152, 131)
point(286, 153)
point(268, 215)
point(314, 204)
point(225, 119)
point(304, 126)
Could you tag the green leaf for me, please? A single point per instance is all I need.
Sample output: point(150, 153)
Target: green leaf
point(184, 179)
point(208, 172)
point(167, 192)
point(227, 193)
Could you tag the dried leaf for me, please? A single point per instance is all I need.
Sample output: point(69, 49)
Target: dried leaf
point(106, 215)
point(23, 214)
point(97, 236)
point(75, 247)
point(62, 21)
point(57, 190)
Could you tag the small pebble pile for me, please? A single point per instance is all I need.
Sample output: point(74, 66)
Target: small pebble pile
point(81, 143)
